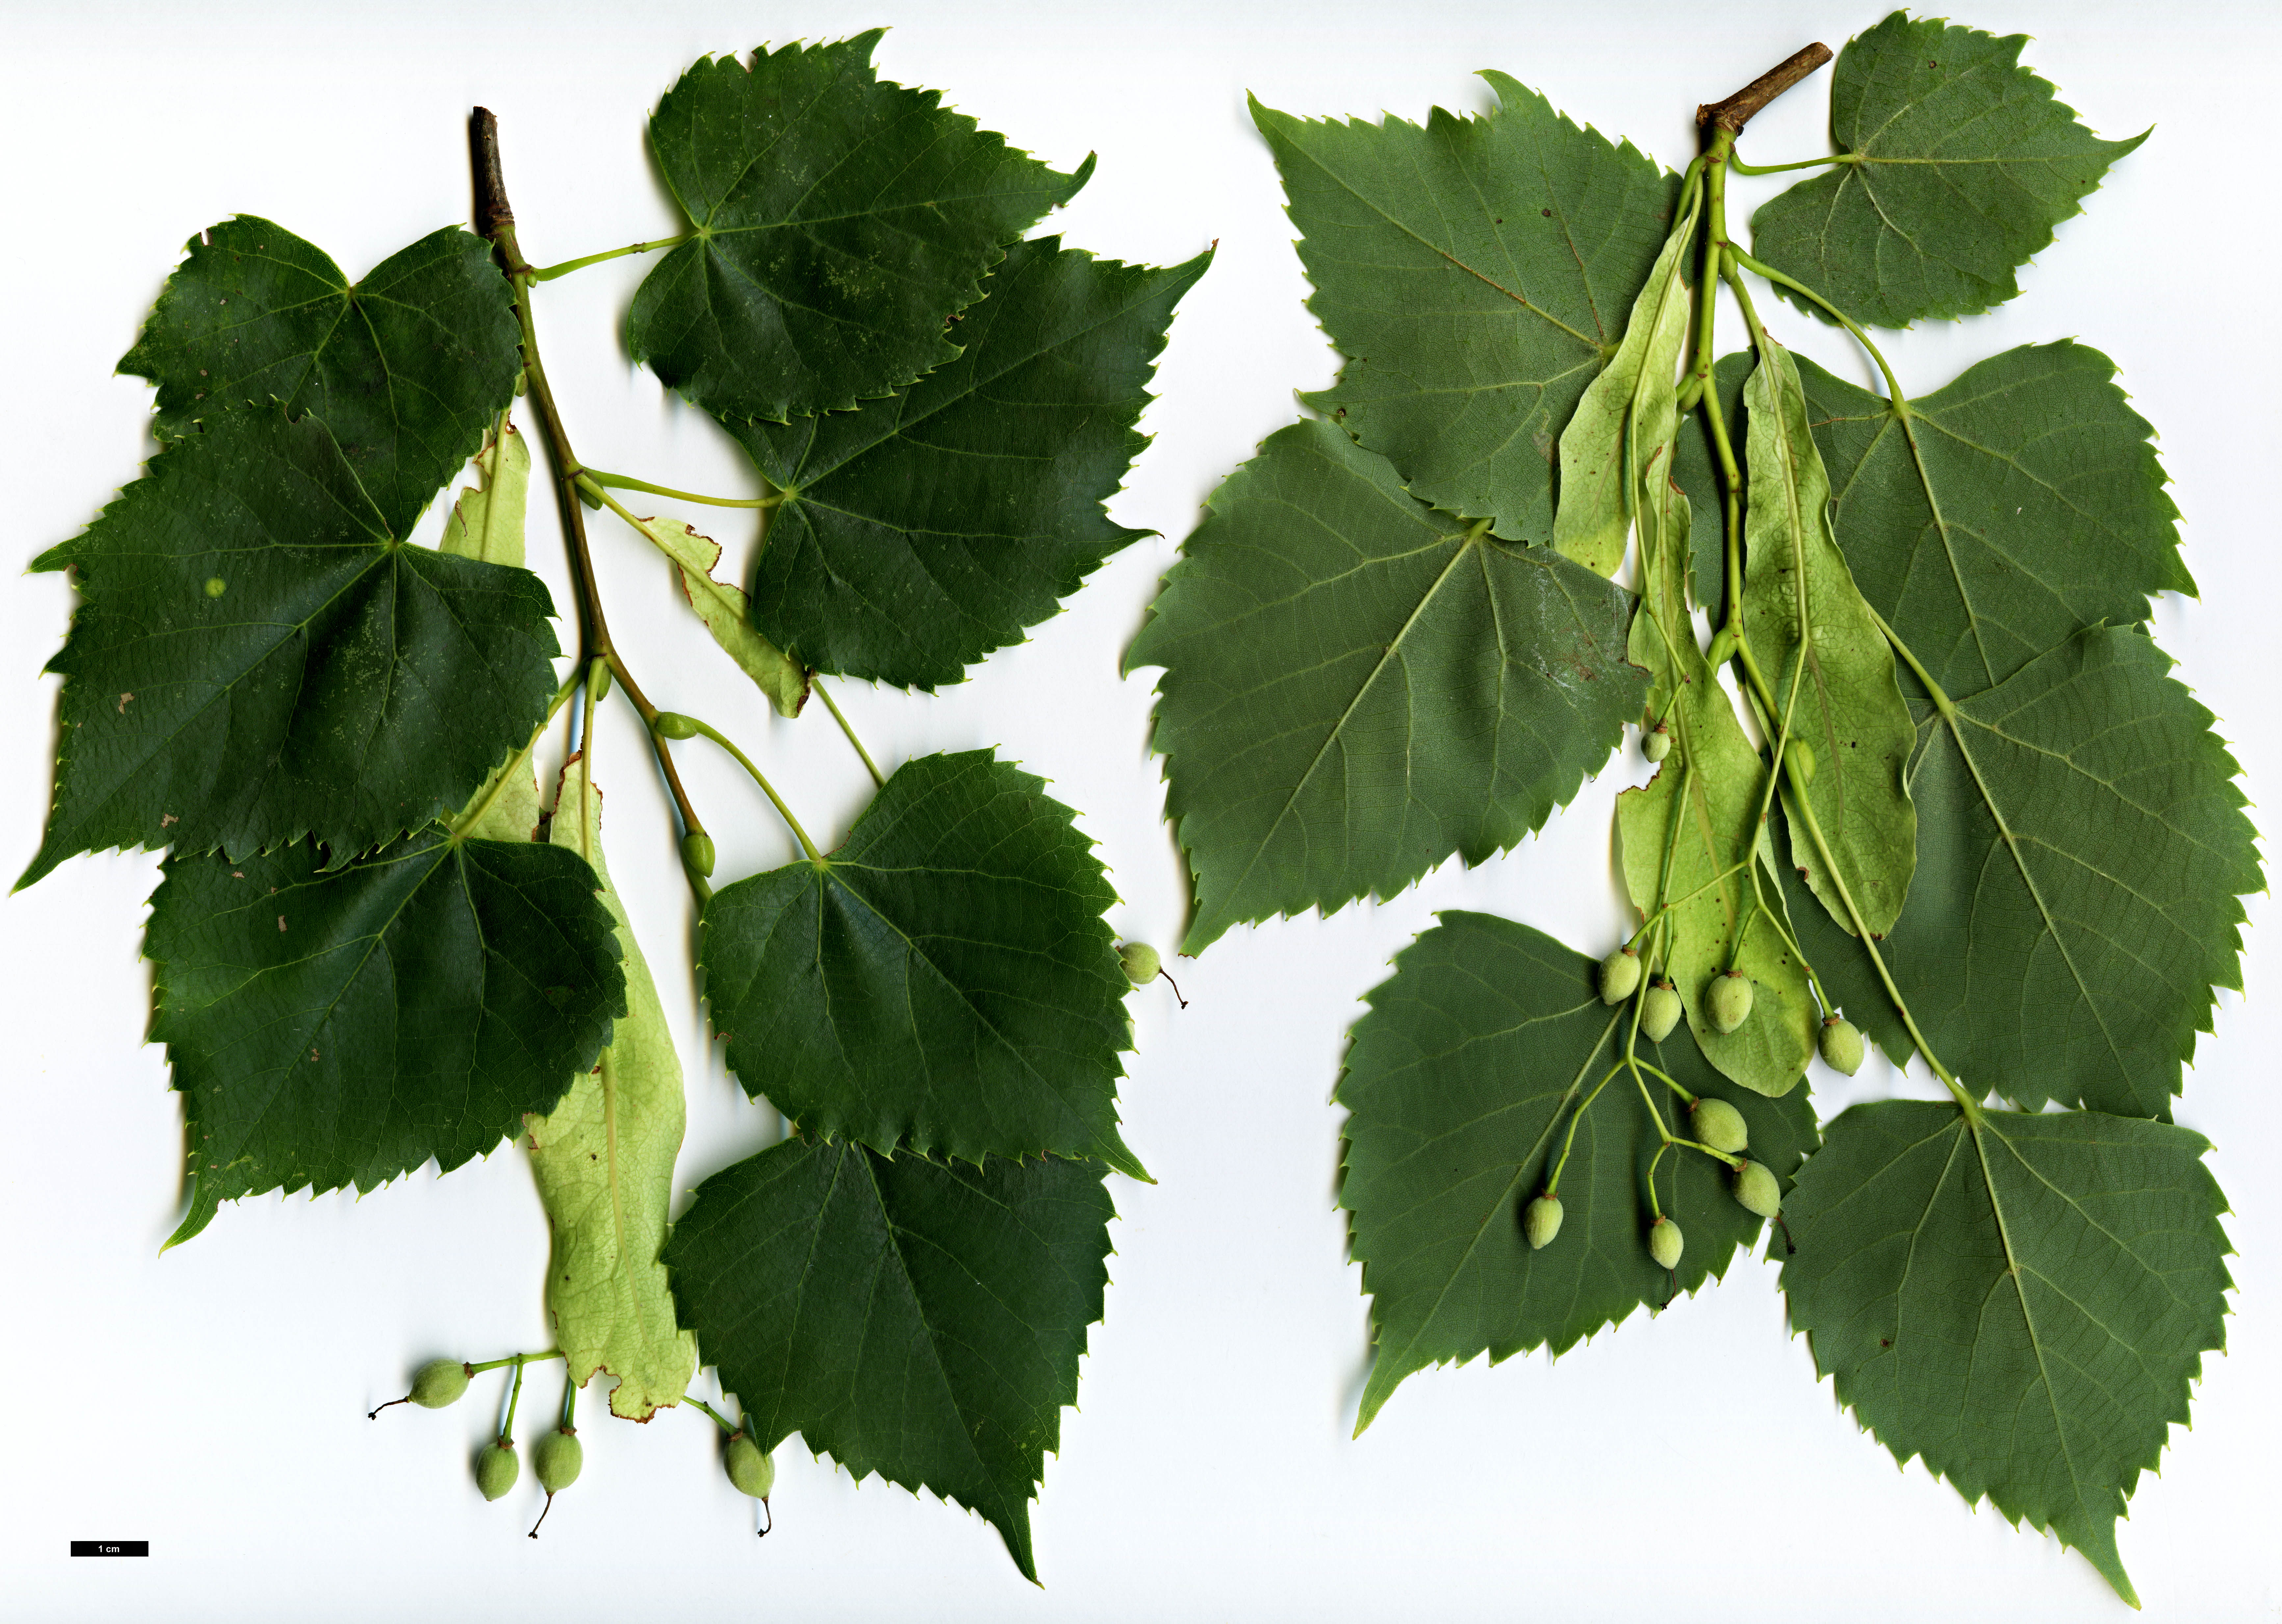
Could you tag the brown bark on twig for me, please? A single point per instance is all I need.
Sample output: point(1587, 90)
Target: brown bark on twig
point(492, 211)
point(1736, 110)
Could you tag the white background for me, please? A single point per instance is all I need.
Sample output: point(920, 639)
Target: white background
point(212, 1400)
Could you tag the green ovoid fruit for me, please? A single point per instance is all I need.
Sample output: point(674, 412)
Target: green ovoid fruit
point(1664, 1244)
point(674, 724)
point(1723, 648)
point(1799, 756)
point(441, 1382)
point(753, 1472)
point(1757, 1190)
point(697, 853)
point(496, 1468)
point(1655, 743)
point(1727, 1000)
point(1620, 974)
point(1540, 1221)
point(557, 1460)
point(1720, 1125)
point(1841, 1044)
point(1142, 962)
point(1660, 1010)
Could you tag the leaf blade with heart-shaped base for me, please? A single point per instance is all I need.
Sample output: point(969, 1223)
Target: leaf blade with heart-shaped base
point(408, 368)
point(838, 218)
point(917, 1318)
point(1475, 272)
point(1357, 687)
point(944, 982)
point(2010, 509)
point(2022, 1300)
point(1463, 1081)
point(917, 535)
point(259, 658)
point(1962, 163)
point(338, 1027)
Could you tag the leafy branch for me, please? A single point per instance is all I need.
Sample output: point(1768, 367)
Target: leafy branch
point(376, 945)
point(1962, 798)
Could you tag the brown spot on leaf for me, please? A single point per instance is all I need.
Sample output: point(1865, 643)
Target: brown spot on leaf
point(281, 924)
point(122, 702)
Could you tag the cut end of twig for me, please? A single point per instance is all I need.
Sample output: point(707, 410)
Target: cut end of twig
point(492, 212)
point(1736, 110)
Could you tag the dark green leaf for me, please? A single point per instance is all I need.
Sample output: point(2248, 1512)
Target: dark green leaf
point(1462, 1081)
point(2022, 1300)
point(1475, 272)
point(258, 658)
point(918, 1319)
point(1963, 164)
point(2081, 844)
point(2005, 512)
point(838, 220)
point(944, 982)
point(922, 532)
point(1358, 686)
point(336, 1027)
point(408, 368)
point(1826, 662)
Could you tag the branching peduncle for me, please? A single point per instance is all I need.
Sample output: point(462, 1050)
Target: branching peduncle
point(722, 1421)
point(517, 1360)
point(496, 218)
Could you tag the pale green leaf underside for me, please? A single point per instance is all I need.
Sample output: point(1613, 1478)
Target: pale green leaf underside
point(944, 982)
point(1966, 163)
point(1357, 686)
point(2082, 848)
point(838, 219)
point(339, 1028)
point(921, 533)
point(1463, 1080)
point(603, 1160)
point(1475, 272)
point(2022, 1300)
point(1827, 663)
point(919, 1319)
point(258, 658)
